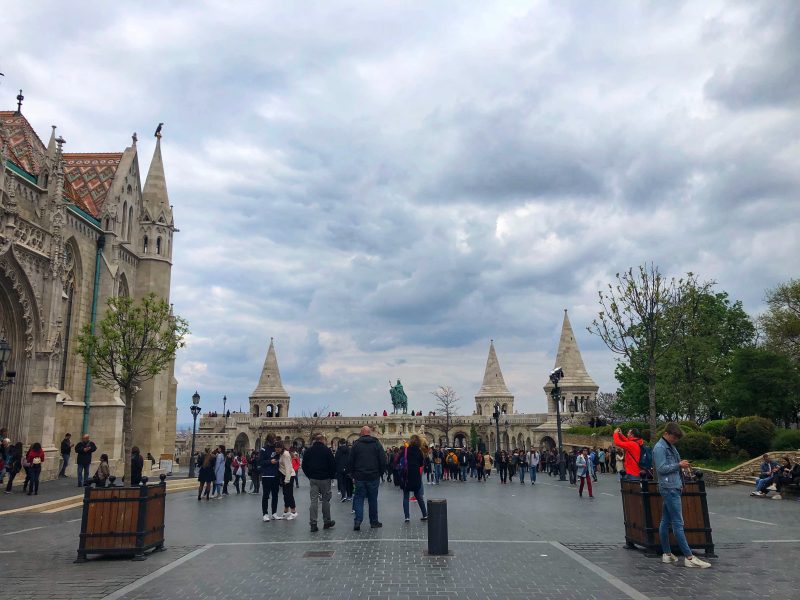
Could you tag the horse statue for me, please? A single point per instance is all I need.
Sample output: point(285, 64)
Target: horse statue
point(399, 398)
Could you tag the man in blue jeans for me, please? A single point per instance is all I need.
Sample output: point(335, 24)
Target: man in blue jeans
point(668, 465)
point(438, 459)
point(83, 456)
point(366, 462)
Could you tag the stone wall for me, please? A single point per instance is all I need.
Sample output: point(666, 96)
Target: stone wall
point(748, 469)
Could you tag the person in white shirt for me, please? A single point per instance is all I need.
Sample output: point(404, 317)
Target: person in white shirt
point(533, 465)
point(286, 473)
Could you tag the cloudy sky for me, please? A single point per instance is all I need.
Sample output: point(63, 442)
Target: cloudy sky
point(384, 187)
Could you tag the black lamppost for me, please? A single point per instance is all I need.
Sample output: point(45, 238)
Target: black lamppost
point(6, 377)
point(224, 404)
point(195, 408)
point(508, 448)
point(555, 376)
point(496, 415)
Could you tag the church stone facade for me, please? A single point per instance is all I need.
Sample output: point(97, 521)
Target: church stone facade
point(269, 412)
point(75, 230)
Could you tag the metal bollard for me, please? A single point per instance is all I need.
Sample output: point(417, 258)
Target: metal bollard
point(437, 527)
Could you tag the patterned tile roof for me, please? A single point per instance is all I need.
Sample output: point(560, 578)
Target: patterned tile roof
point(91, 176)
point(24, 146)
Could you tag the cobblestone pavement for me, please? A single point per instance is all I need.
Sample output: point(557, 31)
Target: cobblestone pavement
point(509, 541)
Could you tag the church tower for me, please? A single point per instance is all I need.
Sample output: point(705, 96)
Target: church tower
point(270, 399)
point(154, 271)
point(576, 386)
point(494, 388)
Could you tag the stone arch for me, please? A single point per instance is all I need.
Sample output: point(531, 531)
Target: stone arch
point(269, 411)
point(299, 443)
point(505, 445)
point(528, 444)
point(258, 442)
point(335, 442)
point(504, 409)
point(547, 443)
point(520, 443)
point(460, 439)
point(256, 410)
point(479, 410)
point(242, 443)
point(19, 326)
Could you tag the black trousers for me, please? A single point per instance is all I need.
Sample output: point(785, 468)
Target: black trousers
point(269, 487)
point(288, 494)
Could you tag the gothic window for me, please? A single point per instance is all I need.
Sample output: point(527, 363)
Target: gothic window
point(130, 189)
point(45, 180)
point(130, 222)
point(124, 220)
point(123, 291)
point(107, 224)
point(144, 245)
point(158, 246)
point(256, 410)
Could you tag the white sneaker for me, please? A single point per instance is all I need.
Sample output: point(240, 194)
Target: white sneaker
point(277, 517)
point(696, 563)
point(777, 497)
point(291, 516)
point(669, 559)
point(265, 518)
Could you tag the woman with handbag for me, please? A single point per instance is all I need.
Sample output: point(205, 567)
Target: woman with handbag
point(238, 471)
point(35, 458)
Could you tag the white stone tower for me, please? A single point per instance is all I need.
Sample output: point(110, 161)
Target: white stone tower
point(156, 229)
point(494, 388)
point(576, 386)
point(270, 399)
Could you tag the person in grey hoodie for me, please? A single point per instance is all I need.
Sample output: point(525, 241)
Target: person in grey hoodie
point(668, 466)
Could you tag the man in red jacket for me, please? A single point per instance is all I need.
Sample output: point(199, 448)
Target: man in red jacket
point(632, 444)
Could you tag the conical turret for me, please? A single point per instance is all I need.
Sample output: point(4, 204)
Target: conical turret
point(270, 398)
point(494, 387)
point(576, 385)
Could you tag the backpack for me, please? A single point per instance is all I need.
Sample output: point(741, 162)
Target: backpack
point(402, 467)
point(646, 458)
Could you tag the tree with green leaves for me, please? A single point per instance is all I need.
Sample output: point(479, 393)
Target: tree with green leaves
point(763, 383)
point(781, 322)
point(634, 320)
point(473, 437)
point(693, 372)
point(133, 342)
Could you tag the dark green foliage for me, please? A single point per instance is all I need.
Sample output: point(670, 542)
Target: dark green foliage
point(754, 435)
point(605, 430)
point(764, 383)
point(715, 427)
point(688, 426)
point(786, 439)
point(695, 445)
point(721, 447)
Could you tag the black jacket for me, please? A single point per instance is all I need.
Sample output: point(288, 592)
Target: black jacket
point(342, 458)
point(66, 446)
point(367, 459)
point(84, 458)
point(137, 462)
point(415, 462)
point(318, 462)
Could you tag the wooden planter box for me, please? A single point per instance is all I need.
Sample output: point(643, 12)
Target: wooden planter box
point(641, 505)
point(122, 520)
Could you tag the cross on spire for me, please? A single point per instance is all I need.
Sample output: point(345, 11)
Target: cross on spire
point(20, 98)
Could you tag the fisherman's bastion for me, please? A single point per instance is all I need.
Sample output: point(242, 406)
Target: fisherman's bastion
point(270, 409)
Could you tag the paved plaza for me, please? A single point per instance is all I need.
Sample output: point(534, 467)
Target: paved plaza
point(509, 541)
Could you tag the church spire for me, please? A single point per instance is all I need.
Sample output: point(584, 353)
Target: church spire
point(493, 382)
point(569, 358)
point(154, 194)
point(269, 385)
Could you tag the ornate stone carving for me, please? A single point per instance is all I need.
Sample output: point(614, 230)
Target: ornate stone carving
point(29, 235)
point(27, 303)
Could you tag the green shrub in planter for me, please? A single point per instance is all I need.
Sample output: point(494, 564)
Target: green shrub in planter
point(714, 428)
point(754, 434)
point(695, 445)
point(786, 439)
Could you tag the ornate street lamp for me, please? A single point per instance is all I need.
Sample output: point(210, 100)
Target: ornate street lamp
point(224, 403)
point(555, 376)
point(195, 408)
point(496, 415)
point(6, 377)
